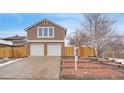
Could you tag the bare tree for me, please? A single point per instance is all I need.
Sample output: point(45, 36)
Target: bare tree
point(100, 28)
point(77, 38)
point(117, 46)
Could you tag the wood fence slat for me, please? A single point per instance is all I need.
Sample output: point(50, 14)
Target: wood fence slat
point(82, 51)
point(1, 52)
point(15, 52)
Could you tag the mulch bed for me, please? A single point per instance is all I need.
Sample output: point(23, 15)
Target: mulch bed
point(101, 72)
point(83, 64)
point(72, 60)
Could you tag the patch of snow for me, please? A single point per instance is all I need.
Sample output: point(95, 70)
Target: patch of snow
point(120, 60)
point(6, 42)
point(117, 60)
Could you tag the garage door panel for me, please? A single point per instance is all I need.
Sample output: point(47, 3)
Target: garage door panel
point(37, 49)
point(54, 49)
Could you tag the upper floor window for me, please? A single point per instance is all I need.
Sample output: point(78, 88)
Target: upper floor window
point(44, 32)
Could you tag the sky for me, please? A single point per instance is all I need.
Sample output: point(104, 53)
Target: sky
point(14, 23)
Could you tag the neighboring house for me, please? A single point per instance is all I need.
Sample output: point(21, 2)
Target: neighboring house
point(17, 40)
point(4, 43)
point(45, 38)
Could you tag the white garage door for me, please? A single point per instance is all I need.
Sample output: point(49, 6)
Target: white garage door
point(37, 49)
point(54, 49)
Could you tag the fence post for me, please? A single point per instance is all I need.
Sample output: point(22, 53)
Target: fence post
point(12, 52)
point(4, 52)
point(76, 57)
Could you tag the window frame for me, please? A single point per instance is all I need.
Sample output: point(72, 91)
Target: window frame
point(48, 33)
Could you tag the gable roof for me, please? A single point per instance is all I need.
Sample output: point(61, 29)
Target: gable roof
point(45, 19)
point(16, 37)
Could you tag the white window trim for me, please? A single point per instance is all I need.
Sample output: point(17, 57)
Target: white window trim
point(43, 32)
point(39, 41)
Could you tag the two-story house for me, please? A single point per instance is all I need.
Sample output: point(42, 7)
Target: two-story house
point(45, 38)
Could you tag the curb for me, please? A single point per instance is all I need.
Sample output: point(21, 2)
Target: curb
point(4, 64)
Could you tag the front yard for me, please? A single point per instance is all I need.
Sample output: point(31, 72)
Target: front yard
point(90, 70)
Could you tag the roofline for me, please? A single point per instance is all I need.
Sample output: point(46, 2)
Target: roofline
point(11, 38)
point(42, 21)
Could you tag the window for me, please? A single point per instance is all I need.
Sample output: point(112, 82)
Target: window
point(50, 32)
point(40, 32)
point(43, 32)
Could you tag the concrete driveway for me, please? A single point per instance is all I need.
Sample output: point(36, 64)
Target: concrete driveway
point(32, 68)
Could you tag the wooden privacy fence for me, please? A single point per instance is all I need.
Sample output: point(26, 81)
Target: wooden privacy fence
point(18, 52)
point(15, 52)
point(82, 51)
